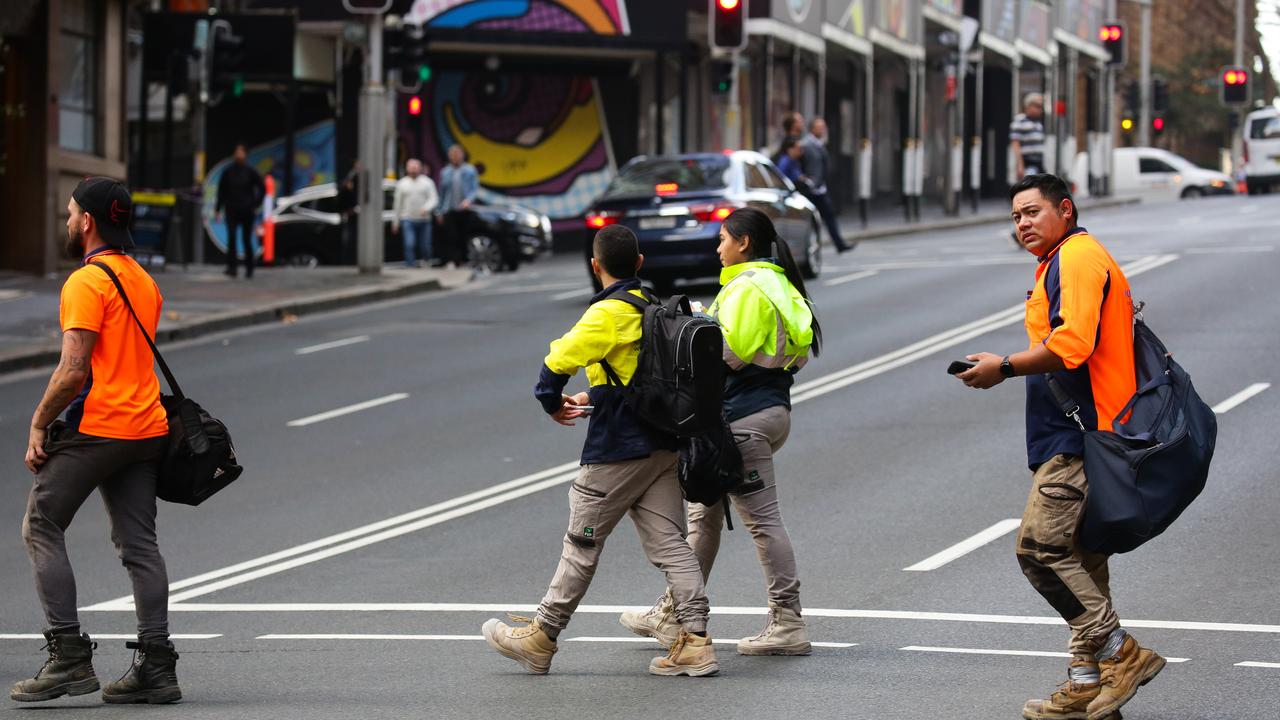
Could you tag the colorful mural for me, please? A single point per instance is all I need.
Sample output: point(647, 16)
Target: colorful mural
point(537, 140)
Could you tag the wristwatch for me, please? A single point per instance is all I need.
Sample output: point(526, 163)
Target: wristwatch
point(1006, 367)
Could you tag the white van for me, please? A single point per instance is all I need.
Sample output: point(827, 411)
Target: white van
point(1261, 131)
point(1155, 174)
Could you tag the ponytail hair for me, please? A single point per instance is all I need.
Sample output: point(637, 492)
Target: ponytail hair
point(764, 242)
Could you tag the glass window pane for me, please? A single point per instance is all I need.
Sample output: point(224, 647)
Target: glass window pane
point(75, 70)
point(78, 15)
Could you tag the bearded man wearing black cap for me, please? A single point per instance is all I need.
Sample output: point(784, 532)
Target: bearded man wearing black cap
point(112, 439)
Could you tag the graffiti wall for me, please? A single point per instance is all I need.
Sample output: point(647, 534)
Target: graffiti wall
point(537, 140)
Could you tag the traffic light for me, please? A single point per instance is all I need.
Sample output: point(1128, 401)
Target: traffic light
point(404, 50)
point(227, 68)
point(728, 24)
point(1157, 126)
point(721, 76)
point(1235, 85)
point(1159, 94)
point(415, 105)
point(1126, 123)
point(1112, 35)
point(1132, 98)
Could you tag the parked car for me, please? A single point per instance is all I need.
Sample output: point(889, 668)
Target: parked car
point(1156, 174)
point(675, 204)
point(1261, 141)
point(309, 231)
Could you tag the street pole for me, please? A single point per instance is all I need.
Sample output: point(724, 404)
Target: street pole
point(1237, 144)
point(1109, 121)
point(369, 244)
point(1144, 113)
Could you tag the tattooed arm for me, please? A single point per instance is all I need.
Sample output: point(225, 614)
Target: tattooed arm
point(64, 385)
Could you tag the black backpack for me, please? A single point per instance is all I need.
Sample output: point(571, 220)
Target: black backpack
point(678, 386)
point(1145, 472)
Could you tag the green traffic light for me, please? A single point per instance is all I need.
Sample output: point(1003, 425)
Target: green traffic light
point(424, 72)
point(237, 87)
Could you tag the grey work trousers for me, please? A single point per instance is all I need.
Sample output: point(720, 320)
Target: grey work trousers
point(647, 490)
point(124, 472)
point(759, 436)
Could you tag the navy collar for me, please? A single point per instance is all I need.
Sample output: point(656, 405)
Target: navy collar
point(104, 250)
point(1077, 230)
point(624, 284)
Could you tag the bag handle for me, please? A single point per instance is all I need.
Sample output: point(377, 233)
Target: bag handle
point(164, 367)
point(1069, 406)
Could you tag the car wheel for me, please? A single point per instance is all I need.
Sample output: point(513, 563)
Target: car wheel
point(484, 254)
point(302, 260)
point(1192, 193)
point(812, 256)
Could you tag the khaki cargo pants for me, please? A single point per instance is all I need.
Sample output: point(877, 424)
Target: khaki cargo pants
point(647, 490)
point(1074, 581)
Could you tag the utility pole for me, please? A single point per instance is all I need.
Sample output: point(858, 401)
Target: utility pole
point(369, 244)
point(1109, 143)
point(1144, 116)
point(1237, 145)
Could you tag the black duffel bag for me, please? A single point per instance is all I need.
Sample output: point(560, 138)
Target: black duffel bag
point(710, 467)
point(200, 459)
point(1148, 469)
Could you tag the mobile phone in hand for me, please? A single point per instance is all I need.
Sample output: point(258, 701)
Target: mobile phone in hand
point(959, 366)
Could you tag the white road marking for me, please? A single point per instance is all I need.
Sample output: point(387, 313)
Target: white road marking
point(1249, 209)
point(541, 287)
point(580, 292)
point(1021, 653)
point(964, 547)
point(331, 414)
point(104, 636)
point(1253, 664)
point(330, 345)
point(850, 278)
point(341, 636)
point(401, 525)
point(1240, 397)
point(9, 294)
point(296, 607)
point(1230, 249)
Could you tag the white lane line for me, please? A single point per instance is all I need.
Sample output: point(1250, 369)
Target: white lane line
point(541, 287)
point(1240, 397)
point(9, 294)
point(580, 292)
point(964, 547)
point(347, 636)
point(126, 602)
point(524, 608)
point(1253, 664)
point(1020, 653)
point(1230, 249)
point(339, 412)
point(330, 345)
point(105, 636)
point(850, 278)
point(1249, 209)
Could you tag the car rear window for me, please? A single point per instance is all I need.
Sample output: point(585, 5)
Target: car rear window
point(688, 174)
point(1265, 129)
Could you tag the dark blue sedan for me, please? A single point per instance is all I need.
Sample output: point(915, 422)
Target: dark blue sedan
point(676, 203)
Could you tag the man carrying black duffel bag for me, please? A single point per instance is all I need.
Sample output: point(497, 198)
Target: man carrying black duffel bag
point(114, 438)
point(1079, 321)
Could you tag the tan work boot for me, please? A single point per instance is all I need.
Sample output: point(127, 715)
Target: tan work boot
point(659, 622)
point(1122, 675)
point(1069, 702)
point(690, 655)
point(785, 634)
point(529, 645)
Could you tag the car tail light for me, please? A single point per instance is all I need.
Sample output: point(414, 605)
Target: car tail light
point(595, 221)
point(664, 189)
point(713, 213)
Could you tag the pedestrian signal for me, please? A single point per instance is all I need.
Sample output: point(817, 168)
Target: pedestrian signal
point(721, 76)
point(1112, 35)
point(1157, 126)
point(728, 24)
point(1235, 85)
point(415, 105)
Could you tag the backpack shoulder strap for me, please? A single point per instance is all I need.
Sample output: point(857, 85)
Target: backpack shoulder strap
point(627, 297)
point(164, 367)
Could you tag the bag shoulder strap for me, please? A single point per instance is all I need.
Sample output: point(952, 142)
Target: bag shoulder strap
point(164, 367)
point(1069, 406)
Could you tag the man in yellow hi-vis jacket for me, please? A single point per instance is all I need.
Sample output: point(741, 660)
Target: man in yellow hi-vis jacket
point(627, 468)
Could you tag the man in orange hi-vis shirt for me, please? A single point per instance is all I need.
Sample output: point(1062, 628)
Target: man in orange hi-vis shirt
point(113, 439)
point(1079, 323)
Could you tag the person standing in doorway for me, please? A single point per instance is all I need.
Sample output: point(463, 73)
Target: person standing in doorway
point(113, 439)
point(459, 183)
point(817, 167)
point(415, 201)
point(240, 193)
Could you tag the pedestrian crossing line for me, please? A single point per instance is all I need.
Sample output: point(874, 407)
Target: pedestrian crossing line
point(850, 278)
point(582, 638)
point(1254, 664)
point(1020, 653)
point(331, 345)
point(339, 412)
point(966, 546)
point(1235, 400)
point(108, 636)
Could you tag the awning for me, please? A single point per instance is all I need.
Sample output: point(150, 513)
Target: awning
point(1094, 51)
point(766, 27)
point(846, 39)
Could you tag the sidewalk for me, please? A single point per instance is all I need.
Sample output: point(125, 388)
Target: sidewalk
point(202, 300)
point(886, 220)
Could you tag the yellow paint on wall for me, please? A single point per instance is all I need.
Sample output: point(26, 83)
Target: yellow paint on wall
point(590, 12)
point(509, 165)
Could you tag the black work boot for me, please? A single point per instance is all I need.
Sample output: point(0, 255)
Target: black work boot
point(152, 678)
point(68, 671)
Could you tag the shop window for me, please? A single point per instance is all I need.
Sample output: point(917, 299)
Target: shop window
point(79, 95)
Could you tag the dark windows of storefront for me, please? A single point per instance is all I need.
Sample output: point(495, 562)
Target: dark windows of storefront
point(81, 31)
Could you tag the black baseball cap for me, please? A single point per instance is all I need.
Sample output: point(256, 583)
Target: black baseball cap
point(111, 206)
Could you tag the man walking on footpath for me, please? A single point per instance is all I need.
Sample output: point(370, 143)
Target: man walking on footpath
point(240, 193)
point(1079, 322)
point(113, 439)
point(415, 201)
point(459, 183)
point(816, 164)
point(627, 469)
point(1026, 136)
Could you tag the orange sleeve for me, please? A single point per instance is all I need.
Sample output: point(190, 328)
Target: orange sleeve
point(1082, 273)
point(81, 306)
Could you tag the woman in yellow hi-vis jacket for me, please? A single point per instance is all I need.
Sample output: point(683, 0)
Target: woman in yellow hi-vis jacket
point(769, 329)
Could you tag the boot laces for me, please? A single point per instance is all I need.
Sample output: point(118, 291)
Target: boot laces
point(770, 625)
point(678, 645)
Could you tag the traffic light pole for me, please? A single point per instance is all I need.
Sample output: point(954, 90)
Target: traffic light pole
point(369, 244)
point(1144, 113)
point(1237, 144)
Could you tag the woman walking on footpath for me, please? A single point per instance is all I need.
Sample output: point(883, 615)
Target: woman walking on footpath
point(769, 329)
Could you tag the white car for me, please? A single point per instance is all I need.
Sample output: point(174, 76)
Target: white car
point(1155, 174)
point(1261, 141)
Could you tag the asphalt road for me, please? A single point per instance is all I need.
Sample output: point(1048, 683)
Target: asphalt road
point(348, 573)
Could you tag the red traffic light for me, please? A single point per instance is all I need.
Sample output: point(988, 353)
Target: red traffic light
point(415, 105)
point(1235, 77)
point(1110, 33)
point(1157, 124)
point(728, 4)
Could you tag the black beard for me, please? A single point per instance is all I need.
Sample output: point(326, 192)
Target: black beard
point(74, 247)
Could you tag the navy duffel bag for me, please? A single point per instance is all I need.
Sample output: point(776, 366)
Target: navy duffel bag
point(1142, 475)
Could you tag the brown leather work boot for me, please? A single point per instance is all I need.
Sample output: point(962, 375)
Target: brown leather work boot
point(658, 623)
point(1069, 702)
point(1122, 675)
point(68, 671)
point(529, 645)
point(690, 655)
